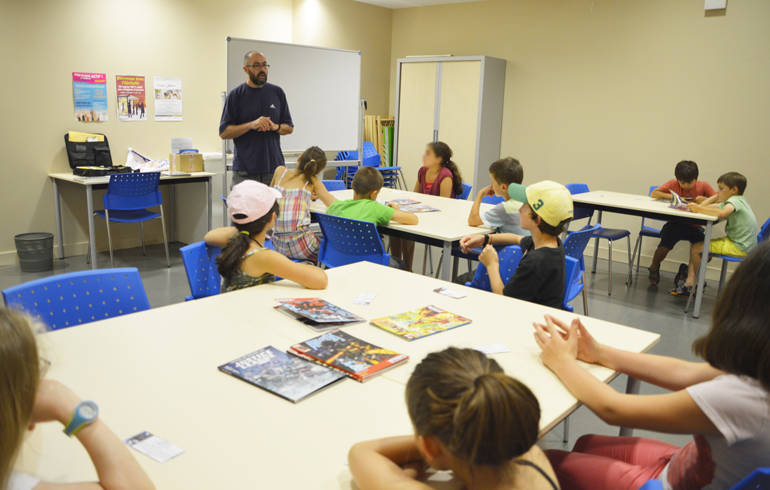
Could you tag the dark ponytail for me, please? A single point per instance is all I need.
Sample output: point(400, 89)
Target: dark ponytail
point(442, 150)
point(311, 163)
point(464, 399)
point(229, 261)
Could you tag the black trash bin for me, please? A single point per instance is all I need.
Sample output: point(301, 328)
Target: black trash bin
point(35, 251)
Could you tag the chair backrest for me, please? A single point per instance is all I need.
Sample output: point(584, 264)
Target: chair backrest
point(652, 188)
point(133, 191)
point(759, 478)
point(509, 258)
point(466, 191)
point(200, 264)
point(334, 185)
point(70, 299)
point(371, 157)
point(349, 240)
point(571, 278)
point(580, 213)
point(652, 485)
point(576, 241)
point(494, 200)
point(764, 232)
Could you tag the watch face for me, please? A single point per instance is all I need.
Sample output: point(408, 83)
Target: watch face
point(88, 411)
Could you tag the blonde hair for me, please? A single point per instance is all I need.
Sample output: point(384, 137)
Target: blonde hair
point(19, 379)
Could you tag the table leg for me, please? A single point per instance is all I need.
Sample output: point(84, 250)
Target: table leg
point(446, 264)
point(632, 388)
point(224, 193)
point(171, 212)
point(57, 208)
point(91, 233)
point(702, 272)
point(208, 205)
point(596, 245)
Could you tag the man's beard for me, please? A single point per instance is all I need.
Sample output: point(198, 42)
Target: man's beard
point(256, 80)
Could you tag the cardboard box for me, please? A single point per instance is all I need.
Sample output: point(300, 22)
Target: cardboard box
point(186, 162)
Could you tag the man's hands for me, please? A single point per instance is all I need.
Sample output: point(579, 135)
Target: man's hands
point(263, 124)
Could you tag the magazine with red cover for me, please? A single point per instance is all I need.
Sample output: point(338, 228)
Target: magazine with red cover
point(317, 313)
point(355, 357)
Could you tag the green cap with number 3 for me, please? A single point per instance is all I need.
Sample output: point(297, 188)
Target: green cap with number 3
point(548, 199)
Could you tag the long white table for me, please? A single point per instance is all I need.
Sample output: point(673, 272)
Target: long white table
point(91, 183)
point(647, 207)
point(439, 228)
point(157, 371)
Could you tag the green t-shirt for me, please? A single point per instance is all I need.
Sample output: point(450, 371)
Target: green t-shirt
point(362, 209)
point(741, 225)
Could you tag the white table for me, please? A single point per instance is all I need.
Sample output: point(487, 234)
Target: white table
point(439, 228)
point(91, 183)
point(157, 371)
point(647, 207)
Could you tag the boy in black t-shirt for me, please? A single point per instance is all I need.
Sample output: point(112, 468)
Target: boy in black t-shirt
point(539, 278)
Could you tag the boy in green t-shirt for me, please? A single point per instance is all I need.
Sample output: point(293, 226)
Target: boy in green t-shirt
point(729, 204)
point(367, 184)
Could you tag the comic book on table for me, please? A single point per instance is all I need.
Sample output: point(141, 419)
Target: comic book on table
point(355, 357)
point(677, 202)
point(317, 313)
point(289, 377)
point(412, 206)
point(416, 324)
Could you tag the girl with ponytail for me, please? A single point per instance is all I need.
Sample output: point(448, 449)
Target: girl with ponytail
point(438, 176)
point(469, 417)
point(244, 261)
point(292, 235)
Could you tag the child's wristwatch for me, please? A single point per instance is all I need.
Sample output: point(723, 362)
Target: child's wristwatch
point(487, 239)
point(85, 414)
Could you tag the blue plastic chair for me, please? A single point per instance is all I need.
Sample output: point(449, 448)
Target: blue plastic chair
point(574, 247)
point(347, 241)
point(393, 176)
point(466, 192)
point(645, 231)
point(652, 485)
point(200, 265)
point(509, 258)
point(127, 200)
point(573, 283)
point(334, 185)
point(70, 299)
point(493, 200)
point(610, 234)
point(757, 479)
point(764, 234)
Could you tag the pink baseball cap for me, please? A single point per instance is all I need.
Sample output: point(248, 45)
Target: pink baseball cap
point(252, 200)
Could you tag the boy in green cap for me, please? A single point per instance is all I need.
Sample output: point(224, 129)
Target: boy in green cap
point(539, 278)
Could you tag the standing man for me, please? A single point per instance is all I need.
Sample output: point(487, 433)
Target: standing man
point(255, 117)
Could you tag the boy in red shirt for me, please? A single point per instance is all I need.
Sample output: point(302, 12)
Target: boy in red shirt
point(689, 188)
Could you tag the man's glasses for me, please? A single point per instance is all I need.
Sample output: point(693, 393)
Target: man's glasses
point(257, 66)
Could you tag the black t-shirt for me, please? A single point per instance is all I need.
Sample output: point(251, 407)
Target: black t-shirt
point(539, 278)
point(256, 152)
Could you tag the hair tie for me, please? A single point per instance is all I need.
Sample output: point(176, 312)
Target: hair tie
point(245, 232)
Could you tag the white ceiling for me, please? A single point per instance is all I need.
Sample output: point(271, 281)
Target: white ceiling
point(400, 4)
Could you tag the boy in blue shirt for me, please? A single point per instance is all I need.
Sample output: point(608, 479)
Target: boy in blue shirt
point(504, 217)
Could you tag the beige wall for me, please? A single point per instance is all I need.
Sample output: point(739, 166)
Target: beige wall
point(614, 93)
point(351, 25)
point(44, 41)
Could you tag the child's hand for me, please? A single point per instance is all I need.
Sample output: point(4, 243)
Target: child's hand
point(393, 205)
point(53, 401)
point(693, 207)
point(589, 350)
point(471, 241)
point(557, 346)
point(487, 191)
point(313, 196)
point(488, 256)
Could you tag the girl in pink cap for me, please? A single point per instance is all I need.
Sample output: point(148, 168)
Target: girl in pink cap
point(245, 262)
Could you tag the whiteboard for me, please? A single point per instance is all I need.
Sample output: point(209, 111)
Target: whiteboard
point(322, 86)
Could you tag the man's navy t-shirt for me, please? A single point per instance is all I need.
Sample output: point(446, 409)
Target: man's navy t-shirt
point(256, 152)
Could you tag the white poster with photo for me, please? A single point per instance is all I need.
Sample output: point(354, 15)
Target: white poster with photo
point(168, 99)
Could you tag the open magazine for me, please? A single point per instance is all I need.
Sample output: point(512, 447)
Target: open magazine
point(412, 206)
point(677, 202)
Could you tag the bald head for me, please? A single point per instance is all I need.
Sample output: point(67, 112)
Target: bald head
point(252, 57)
point(255, 66)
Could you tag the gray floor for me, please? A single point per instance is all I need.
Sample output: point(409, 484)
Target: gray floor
point(638, 306)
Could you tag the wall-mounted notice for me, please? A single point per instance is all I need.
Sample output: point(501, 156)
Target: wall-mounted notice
point(89, 93)
point(131, 98)
point(168, 99)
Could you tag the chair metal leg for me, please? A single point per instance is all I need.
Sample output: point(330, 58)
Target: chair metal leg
point(609, 260)
point(565, 434)
point(585, 301)
point(470, 265)
point(638, 248)
point(141, 232)
point(438, 268)
point(165, 237)
point(630, 263)
point(722, 276)
point(109, 235)
point(596, 255)
point(455, 267)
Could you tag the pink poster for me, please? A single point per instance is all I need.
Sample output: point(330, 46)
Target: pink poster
point(89, 93)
